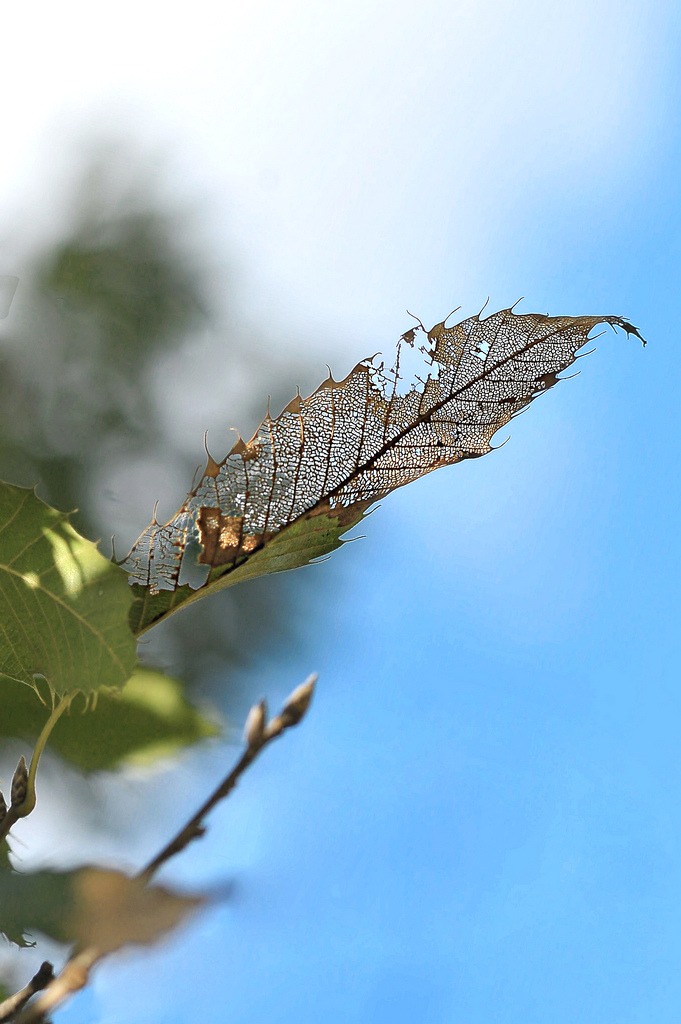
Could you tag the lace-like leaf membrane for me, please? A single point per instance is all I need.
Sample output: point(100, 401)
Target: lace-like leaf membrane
point(305, 478)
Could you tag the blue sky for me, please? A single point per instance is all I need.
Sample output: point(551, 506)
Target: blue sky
point(481, 818)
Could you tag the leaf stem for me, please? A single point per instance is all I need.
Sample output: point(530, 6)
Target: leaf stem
point(29, 802)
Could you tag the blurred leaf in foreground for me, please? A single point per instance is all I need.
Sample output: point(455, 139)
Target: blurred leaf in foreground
point(148, 719)
point(89, 907)
point(63, 606)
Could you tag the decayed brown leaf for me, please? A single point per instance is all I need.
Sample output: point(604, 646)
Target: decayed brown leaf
point(330, 456)
point(112, 910)
point(90, 906)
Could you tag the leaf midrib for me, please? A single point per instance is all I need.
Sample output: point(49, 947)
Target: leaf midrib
point(427, 416)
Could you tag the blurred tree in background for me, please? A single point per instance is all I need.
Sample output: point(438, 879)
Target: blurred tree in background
point(106, 311)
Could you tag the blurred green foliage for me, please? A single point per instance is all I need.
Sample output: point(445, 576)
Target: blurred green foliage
point(149, 718)
point(98, 305)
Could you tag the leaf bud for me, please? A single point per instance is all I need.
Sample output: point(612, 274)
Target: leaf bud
point(299, 701)
point(254, 729)
point(19, 783)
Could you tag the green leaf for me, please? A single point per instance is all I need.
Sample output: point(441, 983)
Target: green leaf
point(63, 606)
point(148, 719)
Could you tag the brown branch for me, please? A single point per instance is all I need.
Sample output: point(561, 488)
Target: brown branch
point(40, 980)
point(72, 979)
point(258, 733)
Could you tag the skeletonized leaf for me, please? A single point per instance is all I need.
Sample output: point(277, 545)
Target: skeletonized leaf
point(305, 478)
point(63, 606)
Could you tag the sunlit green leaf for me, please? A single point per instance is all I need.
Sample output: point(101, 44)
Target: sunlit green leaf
point(148, 719)
point(63, 606)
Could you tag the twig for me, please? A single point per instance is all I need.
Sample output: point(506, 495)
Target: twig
point(72, 979)
point(258, 732)
point(40, 980)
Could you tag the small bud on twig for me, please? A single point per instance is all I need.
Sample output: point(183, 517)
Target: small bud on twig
point(258, 732)
point(297, 704)
point(254, 729)
point(295, 707)
point(19, 783)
